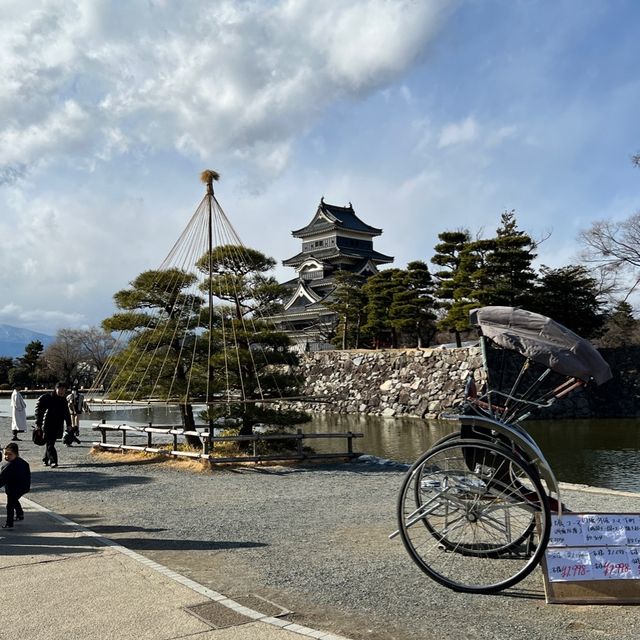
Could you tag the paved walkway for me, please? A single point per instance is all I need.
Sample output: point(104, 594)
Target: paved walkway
point(60, 580)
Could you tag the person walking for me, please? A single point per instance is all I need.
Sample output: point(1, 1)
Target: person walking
point(52, 412)
point(15, 476)
point(76, 403)
point(18, 413)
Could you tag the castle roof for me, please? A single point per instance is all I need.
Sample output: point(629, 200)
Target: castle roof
point(329, 217)
point(326, 255)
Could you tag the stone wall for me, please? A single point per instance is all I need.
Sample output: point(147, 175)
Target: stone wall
point(411, 382)
point(425, 382)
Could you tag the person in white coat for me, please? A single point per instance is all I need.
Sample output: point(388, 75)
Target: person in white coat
point(18, 413)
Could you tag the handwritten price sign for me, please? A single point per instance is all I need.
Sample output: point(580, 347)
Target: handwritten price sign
point(600, 529)
point(594, 547)
point(568, 565)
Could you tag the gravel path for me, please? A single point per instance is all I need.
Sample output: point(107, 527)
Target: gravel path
point(313, 539)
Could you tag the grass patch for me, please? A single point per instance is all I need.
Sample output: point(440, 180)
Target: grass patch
point(196, 465)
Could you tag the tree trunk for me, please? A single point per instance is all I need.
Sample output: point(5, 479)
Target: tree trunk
point(186, 411)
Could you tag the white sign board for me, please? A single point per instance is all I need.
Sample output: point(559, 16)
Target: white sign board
point(593, 547)
point(595, 529)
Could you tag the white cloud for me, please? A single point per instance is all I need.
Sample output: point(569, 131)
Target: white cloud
point(58, 132)
point(94, 79)
point(459, 132)
point(38, 319)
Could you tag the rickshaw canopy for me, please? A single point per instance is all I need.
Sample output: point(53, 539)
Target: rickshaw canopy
point(542, 340)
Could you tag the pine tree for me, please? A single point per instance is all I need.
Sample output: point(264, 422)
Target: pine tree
point(238, 275)
point(348, 300)
point(183, 351)
point(620, 329)
point(570, 296)
point(412, 309)
point(380, 290)
point(162, 317)
point(25, 371)
point(458, 262)
point(506, 276)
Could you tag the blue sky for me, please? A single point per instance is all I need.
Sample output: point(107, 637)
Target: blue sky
point(426, 115)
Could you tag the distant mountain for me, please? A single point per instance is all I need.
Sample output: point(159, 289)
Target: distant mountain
point(13, 340)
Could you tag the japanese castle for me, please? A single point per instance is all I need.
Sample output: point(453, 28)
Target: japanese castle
point(335, 239)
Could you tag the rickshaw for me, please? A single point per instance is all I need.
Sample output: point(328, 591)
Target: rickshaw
point(474, 511)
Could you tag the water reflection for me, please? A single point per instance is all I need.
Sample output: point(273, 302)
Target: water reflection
point(602, 453)
point(401, 439)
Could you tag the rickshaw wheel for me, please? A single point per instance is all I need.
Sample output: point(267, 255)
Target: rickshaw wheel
point(467, 510)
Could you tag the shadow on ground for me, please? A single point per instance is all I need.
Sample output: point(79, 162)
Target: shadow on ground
point(172, 544)
point(71, 480)
point(24, 543)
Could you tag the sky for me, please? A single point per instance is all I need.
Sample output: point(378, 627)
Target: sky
point(426, 115)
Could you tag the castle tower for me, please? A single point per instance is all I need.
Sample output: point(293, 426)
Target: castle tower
point(335, 239)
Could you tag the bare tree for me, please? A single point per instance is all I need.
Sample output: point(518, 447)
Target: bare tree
point(613, 250)
point(97, 345)
point(63, 356)
point(77, 354)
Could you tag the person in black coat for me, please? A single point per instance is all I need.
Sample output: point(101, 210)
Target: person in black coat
point(52, 412)
point(15, 476)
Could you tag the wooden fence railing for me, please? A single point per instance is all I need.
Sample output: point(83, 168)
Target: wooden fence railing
point(208, 441)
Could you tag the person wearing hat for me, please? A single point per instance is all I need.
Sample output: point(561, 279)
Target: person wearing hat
point(52, 412)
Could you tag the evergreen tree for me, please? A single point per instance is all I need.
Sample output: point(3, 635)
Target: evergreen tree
point(174, 330)
point(569, 295)
point(163, 317)
point(620, 329)
point(411, 312)
point(348, 300)
point(457, 260)
point(238, 276)
point(260, 366)
point(6, 363)
point(380, 290)
point(504, 276)
point(261, 363)
point(25, 371)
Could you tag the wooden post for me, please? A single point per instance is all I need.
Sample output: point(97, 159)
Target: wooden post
point(300, 437)
point(350, 443)
point(205, 445)
point(124, 436)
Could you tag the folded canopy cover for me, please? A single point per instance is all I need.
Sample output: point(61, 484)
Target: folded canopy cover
point(542, 340)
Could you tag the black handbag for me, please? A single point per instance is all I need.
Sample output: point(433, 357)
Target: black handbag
point(37, 435)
